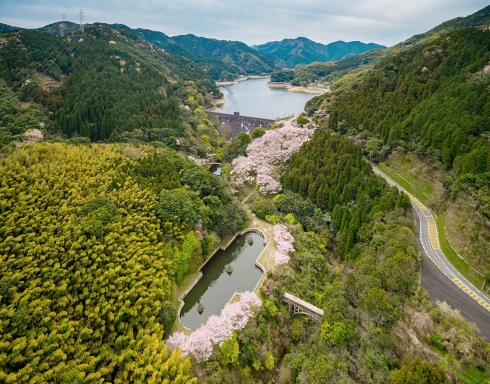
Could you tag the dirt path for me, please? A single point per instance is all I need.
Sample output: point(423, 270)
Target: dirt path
point(267, 257)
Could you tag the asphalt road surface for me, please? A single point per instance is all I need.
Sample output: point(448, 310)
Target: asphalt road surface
point(439, 277)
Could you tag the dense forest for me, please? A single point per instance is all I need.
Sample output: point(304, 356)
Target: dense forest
point(345, 74)
point(108, 85)
point(223, 60)
point(92, 239)
point(355, 256)
point(433, 100)
point(301, 51)
point(96, 239)
point(328, 72)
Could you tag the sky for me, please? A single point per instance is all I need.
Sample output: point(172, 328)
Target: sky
point(384, 22)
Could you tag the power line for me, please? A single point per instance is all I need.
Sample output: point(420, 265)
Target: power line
point(81, 18)
point(58, 48)
point(40, 64)
point(62, 27)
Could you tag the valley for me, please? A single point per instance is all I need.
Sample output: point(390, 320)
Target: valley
point(144, 240)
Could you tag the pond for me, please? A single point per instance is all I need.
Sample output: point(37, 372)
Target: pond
point(215, 169)
point(216, 287)
point(254, 98)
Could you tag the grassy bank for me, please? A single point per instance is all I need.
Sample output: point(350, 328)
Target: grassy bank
point(424, 194)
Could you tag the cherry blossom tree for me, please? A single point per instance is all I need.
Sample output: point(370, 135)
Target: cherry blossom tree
point(284, 241)
point(203, 161)
point(264, 153)
point(217, 329)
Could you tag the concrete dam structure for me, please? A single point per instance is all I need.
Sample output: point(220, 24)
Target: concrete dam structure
point(235, 124)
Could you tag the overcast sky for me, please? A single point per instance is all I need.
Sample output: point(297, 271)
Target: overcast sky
point(253, 21)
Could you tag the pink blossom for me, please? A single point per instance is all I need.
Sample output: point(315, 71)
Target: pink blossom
point(264, 154)
point(217, 329)
point(284, 241)
point(203, 161)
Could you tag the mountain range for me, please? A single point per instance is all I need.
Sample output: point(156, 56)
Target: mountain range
point(305, 51)
point(226, 60)
point(96, 240)
point(332, 71)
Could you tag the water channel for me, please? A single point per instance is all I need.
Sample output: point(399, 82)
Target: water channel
point(216, 287)
point(254, 98)
point(215, 169)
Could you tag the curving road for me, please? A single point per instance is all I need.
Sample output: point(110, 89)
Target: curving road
point(441, 279)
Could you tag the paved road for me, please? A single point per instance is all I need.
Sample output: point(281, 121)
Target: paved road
point(440, 278)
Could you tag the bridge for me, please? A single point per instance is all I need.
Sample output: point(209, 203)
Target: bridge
point(301, 307)
point(235, 124)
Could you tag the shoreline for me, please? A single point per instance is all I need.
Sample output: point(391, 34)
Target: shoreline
point(242, 78)
point(217, 103)
point(294, 88)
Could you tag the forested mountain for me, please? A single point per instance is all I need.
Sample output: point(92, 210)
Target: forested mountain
point(352, 66)
point(222, 60)
point(304, 51)
point(155, 37)
point(108, 85)
point(7, 28)
point(328, 72)
point(240, 56)
point(480, 19)
point(60, 28)
point(433, 100)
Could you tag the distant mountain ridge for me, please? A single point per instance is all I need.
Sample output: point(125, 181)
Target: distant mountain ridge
point(305, 51)
point(221, 59)
point(226, 60)
point(346, 69)
point(7, 28)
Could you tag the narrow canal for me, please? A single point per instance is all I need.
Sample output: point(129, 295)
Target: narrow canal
point(215, 169)
point(216, 287)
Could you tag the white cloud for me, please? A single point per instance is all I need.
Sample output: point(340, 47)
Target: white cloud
point(252, 21)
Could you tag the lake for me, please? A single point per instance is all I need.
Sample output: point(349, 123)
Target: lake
point(255, 99)
point(216, 287)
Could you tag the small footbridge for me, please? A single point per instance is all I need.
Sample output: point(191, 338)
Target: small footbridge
point(301, 307)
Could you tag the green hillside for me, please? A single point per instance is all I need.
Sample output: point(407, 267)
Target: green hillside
point(304, 51)
point(106, 84)
point(328, 72)
point(222, 60)
point(351, 72)
point(60, 28)
point(244, 60)
point(433, 100)
point(7, 28)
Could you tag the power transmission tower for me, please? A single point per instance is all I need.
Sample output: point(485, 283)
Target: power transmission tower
point(62, 27)
point(81, 18)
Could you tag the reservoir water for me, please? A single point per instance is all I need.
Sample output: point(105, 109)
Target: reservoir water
point(216, 287)
point(255, 99)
